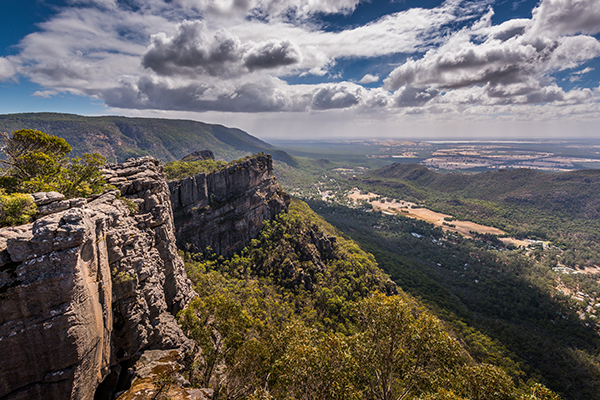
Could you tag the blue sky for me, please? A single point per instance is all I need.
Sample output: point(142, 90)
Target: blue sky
point(305, 69)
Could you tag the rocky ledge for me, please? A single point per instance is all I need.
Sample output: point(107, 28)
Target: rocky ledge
point(89, 286)
point(224, 210)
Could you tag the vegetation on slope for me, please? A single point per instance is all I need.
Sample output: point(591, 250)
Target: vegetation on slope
point(502, 304)
point(119, 138)
point(37, 162)
point(176, 170)
point(304, 314)
point(561, 207)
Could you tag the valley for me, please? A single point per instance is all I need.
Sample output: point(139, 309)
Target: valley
point(444, 221)
point(504, 260)
point(495, 250)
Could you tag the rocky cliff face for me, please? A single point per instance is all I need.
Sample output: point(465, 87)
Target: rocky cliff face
point(224, 210)
point(88, 285)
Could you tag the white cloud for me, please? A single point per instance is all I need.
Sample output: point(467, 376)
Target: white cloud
point(7, 69)
point(217, 56)
point(409, 96)
point(47, 94)
point(192, 50)
point(509, 64)
point(565, 17)
point(336, 96)
point(583, 71)
point(368, 78)
point(272, 53)
point(270, 9)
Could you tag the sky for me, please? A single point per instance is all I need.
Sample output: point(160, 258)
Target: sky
point(311, 69)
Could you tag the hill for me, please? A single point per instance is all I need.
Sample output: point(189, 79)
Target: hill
point(304, 313)
point(119, 138)
point(575, 192)
point(561, 207)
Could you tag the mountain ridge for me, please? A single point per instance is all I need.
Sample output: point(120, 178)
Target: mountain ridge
point(119, 138)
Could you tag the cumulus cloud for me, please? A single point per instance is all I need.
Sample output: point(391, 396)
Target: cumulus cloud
point(7, 70)
point(565, 17)
point(409, 96)
point(194, 50)
point(368, 78)
point(272, 54)
point(242, 95)
point(510, 63)
point(148, 93)
point(236, 56)
point(336, 96)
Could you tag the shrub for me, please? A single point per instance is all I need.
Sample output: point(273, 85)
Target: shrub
point(38, 162)
point(16, 208)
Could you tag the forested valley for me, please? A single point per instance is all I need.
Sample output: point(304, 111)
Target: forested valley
point(304, 313)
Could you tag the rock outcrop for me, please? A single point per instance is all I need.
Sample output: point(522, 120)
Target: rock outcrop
point(89, 285)
point(199, 155)
point(224, 210)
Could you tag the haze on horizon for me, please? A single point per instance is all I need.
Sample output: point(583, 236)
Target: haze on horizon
point(304, 69)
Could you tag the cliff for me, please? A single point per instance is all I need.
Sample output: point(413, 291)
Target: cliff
point(88, 286)
point(224, 210)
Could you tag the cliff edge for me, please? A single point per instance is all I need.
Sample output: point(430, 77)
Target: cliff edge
point(90, 285)
point(224, 210)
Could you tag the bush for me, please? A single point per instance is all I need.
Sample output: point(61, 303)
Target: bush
point(16, 208)
point(182, 169)
point(38, 162)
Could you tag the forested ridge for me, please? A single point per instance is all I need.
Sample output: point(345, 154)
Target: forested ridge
point(119, 138)
point(304, 313)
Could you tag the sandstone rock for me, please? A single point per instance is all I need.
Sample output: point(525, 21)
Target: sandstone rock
point(226, 209)
point(43, 198)
point(154, 365)
point(89, 286)
point(199, 155)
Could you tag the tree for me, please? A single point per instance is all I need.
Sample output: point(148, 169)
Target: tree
point(220, 326)
point(404, 351)
point(315, 365)
point(32, 153)
point(38, 162)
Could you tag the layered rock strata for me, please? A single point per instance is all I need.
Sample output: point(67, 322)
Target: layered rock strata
point(90, 284)
point(224, 210)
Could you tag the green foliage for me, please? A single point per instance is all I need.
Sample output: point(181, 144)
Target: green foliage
point(182, 169)
point(119, 138)
point(122, 276)
point(407, 350)
point(502, 304)
point(560, 207)
point(32, 156)
point(37, 162)
point(267, 334)
point(131, 205)
point(16, 208)
point(162, 382)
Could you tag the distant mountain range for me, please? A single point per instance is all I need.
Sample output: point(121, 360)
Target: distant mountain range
point(120, 138)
